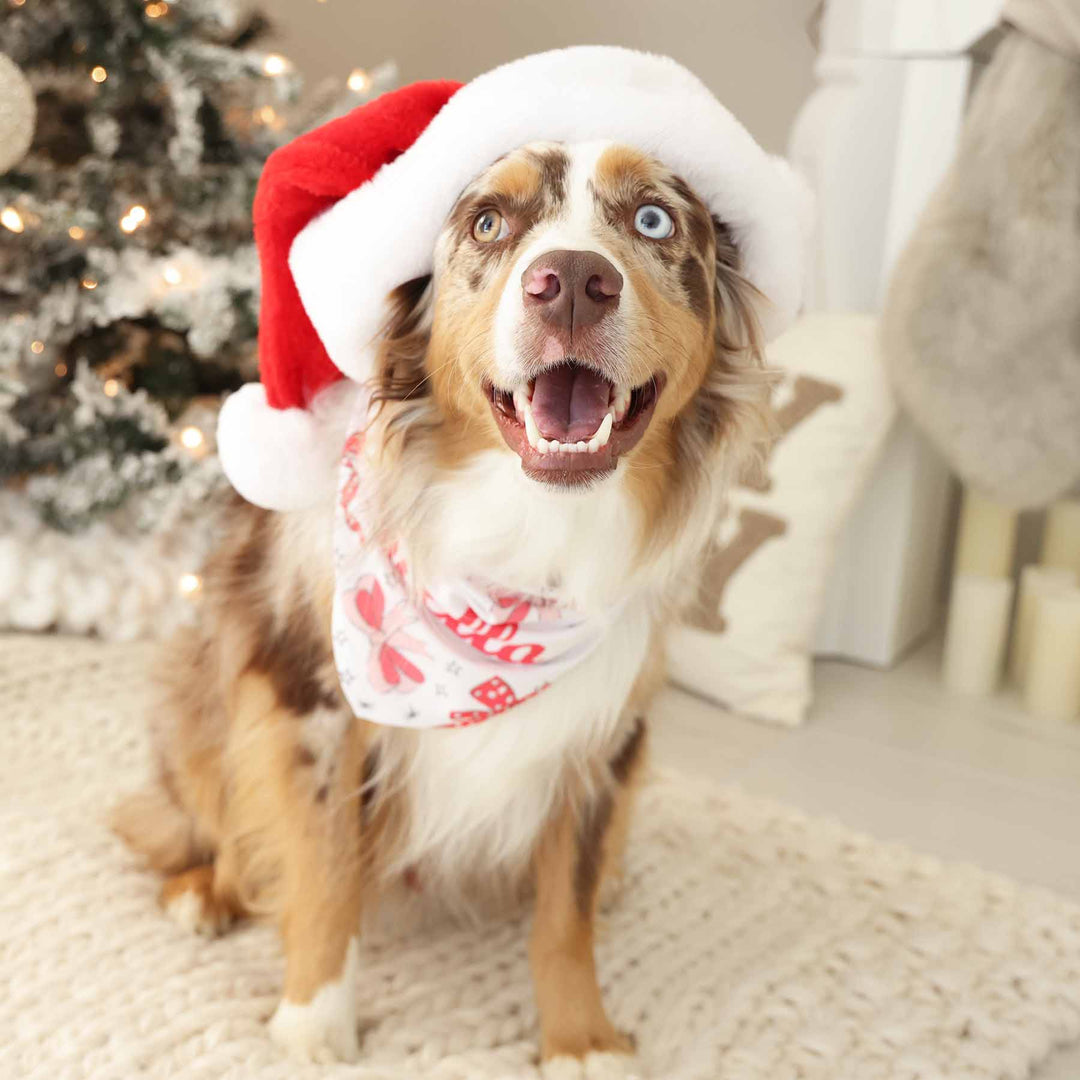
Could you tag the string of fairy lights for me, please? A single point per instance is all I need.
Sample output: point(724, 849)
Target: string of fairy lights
point(137, 216)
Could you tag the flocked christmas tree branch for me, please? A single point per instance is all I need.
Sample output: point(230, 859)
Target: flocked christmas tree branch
point(128, 279)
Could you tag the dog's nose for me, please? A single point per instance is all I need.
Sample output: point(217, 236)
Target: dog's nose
point(571, 289)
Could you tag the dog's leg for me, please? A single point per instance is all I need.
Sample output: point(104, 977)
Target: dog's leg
point(580, 842)
point(311, 800)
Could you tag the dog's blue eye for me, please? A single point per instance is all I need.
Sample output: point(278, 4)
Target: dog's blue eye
point(654, 222)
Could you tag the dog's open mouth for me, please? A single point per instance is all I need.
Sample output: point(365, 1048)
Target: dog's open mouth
point(570, 424)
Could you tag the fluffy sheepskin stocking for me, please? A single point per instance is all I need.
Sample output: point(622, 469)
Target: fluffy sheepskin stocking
point(981, 331)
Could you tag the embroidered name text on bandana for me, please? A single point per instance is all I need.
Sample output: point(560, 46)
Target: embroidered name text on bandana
point(455, 653)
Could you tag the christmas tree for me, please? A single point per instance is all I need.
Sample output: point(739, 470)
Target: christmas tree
point(128, 288)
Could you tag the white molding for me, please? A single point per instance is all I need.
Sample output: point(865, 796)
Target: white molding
point(875, 139)
point(929, 121)
point(906, 27)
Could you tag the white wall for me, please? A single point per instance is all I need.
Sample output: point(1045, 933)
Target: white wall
point(755, 54)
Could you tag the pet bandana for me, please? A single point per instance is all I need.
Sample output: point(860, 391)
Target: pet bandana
point(461, 651)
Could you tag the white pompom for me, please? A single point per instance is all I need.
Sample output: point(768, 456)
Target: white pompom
point(284, 459)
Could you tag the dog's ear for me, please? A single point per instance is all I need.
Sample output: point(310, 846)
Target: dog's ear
point(400, 372)
point(738, 332)
point(731, 409)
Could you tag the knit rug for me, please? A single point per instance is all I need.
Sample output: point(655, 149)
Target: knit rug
point(749, 943)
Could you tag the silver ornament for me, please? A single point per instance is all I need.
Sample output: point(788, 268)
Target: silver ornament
point(18, 113)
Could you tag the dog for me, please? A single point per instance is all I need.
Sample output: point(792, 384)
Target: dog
point(557, 409)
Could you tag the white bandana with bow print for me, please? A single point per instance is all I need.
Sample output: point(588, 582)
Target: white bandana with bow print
point(461, 652)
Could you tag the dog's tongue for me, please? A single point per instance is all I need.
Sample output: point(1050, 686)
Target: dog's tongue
point(569, 402)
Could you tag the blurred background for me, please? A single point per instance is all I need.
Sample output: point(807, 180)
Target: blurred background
point(757, 58)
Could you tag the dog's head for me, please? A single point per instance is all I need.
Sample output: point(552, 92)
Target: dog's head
point(588, 315)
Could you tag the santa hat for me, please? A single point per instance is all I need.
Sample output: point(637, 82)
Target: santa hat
point(351, 210)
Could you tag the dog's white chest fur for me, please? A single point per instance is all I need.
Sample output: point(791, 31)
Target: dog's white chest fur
point(478, 795)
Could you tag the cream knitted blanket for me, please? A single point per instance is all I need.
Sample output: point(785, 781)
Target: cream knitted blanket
point(751, 943)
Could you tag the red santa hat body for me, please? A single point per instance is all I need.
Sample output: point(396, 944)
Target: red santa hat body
point(348, 212)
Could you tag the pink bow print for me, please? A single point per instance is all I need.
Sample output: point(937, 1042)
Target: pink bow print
point(388, 668)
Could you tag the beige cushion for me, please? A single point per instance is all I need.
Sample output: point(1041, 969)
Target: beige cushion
point(748, 640)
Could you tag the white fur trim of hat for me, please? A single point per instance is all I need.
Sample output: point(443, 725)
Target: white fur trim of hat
point(346, 261)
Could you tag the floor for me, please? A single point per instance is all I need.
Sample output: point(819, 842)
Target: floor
point(895, 755)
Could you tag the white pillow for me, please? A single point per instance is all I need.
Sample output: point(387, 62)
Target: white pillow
point(747, 644)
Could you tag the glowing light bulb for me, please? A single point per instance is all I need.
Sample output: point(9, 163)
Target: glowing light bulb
point(61, 370)
point(275, 64)
point(11, 219)
point(111, 388)
point(89, 283)
point(156, 10)
point(76, 232)
point(99, 74)
point(192, 438)
point(189, 584)
point(37, 347)
point(136, 215)
point(17, 3)
point(358, 80)
point(172, 275)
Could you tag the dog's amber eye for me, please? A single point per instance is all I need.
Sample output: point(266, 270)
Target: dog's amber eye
point(489, 227)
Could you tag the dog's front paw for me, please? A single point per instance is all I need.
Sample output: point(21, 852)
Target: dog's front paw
point(596, 1065)
point(322, 1031)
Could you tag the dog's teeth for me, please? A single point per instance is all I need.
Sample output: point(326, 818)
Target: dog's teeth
point(603, 434)
point(521, 404)
point(604, 431)
point(553, 446)
point(621, 404)
point(532, 432)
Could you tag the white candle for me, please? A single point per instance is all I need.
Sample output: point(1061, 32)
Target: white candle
point(1052, 690)
point(986, 538)
point(976, 631)
point(1061, 536)
point(1035, 581)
